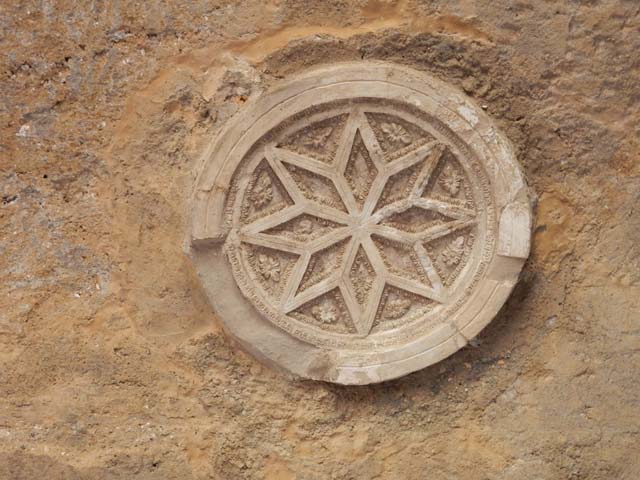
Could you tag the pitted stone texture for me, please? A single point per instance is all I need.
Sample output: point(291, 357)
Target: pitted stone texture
point(359, 223)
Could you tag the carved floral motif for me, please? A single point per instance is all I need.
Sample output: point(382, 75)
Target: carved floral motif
point(262, 192)
point(269, 267)
point(452, 253)
point(325, 312)
point(396, 133)
point(451, 180)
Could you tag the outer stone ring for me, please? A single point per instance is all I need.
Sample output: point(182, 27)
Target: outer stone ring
point(358, 223)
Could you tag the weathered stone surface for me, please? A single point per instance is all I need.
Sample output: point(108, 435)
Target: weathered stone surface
point(371, 213)
point(112, 363)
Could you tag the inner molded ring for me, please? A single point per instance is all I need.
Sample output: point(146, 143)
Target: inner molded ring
point(401, 332)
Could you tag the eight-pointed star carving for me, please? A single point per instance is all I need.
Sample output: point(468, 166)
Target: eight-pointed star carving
point(361, 219)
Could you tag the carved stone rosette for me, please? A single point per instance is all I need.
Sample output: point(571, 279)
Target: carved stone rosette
point(359, 222)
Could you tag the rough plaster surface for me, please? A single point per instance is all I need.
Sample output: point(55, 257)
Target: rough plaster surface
point(113, 365)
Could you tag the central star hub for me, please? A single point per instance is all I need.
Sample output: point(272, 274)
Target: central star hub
point(360, 223)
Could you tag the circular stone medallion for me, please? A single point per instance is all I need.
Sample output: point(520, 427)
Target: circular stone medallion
point(359, 222)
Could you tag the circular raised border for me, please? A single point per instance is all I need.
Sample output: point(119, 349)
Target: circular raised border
point(483, 247)
point(342, 81)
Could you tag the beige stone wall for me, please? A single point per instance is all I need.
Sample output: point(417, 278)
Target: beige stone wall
point(112, 363)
